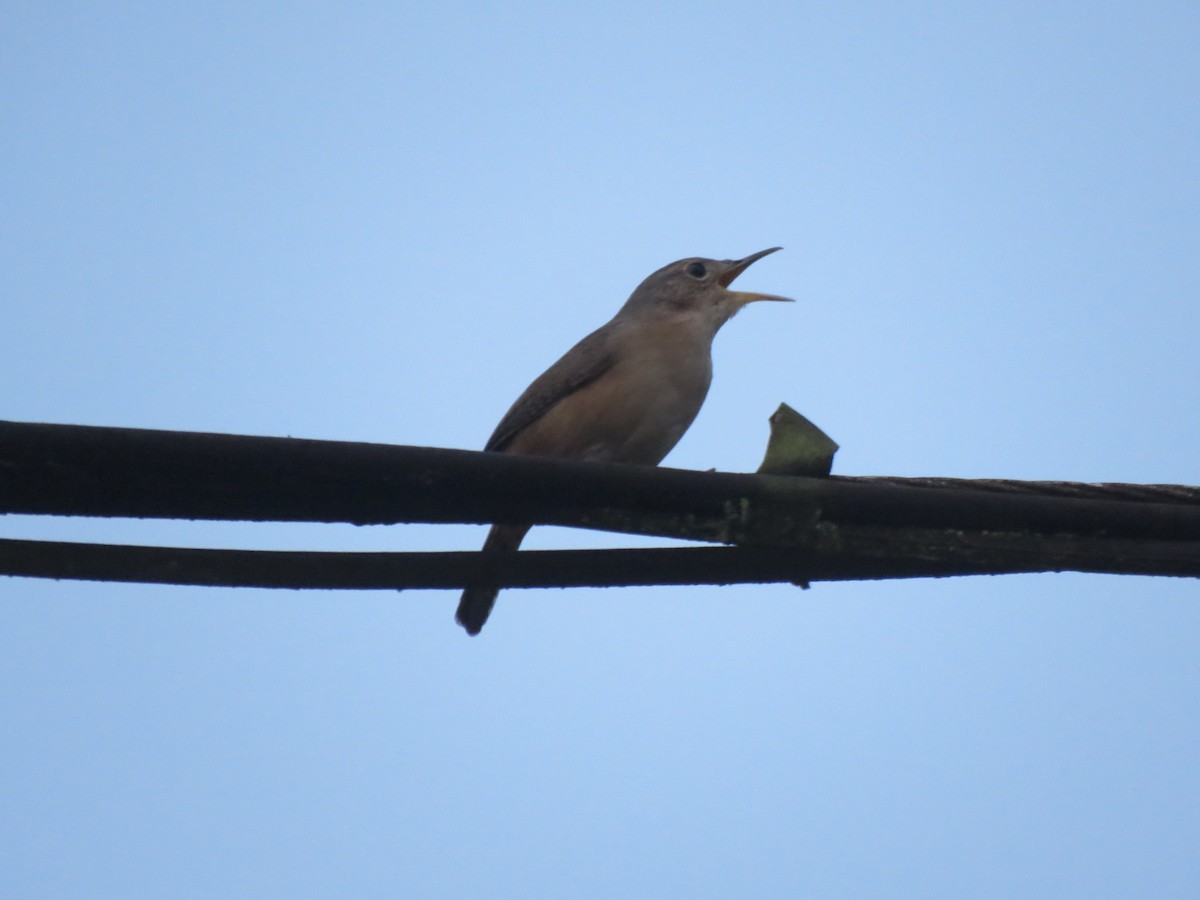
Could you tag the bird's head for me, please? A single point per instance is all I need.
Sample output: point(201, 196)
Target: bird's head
point(696, 290)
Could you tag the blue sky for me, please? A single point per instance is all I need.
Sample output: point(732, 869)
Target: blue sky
point(380, 221)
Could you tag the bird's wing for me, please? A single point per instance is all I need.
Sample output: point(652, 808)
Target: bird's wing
point(579, 366)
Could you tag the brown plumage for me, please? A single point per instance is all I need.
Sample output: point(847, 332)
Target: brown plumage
point(627, 392)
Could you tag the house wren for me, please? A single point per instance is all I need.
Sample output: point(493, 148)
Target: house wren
point(627, 392)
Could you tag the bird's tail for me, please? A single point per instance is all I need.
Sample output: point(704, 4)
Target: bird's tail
point(477, 600)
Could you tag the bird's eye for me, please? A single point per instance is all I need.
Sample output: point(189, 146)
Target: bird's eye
point(697, 270)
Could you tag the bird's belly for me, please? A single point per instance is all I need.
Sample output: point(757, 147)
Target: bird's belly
point(633, 413)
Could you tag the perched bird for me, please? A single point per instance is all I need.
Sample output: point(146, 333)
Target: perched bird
point(627, 392)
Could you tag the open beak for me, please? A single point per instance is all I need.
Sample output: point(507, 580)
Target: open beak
point(736, 268)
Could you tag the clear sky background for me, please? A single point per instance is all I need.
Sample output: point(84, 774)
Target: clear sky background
point(378, 222)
